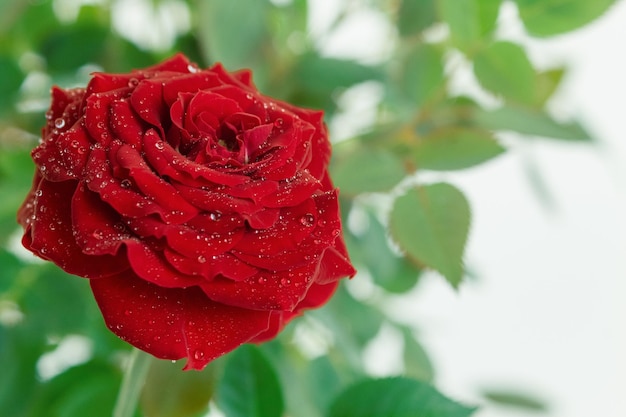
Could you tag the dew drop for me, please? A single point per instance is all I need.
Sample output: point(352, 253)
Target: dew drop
point(201, 259)
point(262, 280)
point(285, 282)
point(128, 312)
point(97, 234)
point(125, 183)
point(279, 122)
point(215, 215)
point(192, 68)
point(198, 354)
point(307, 220)
point(159, 145)
point(59, 123)
point(133, 82)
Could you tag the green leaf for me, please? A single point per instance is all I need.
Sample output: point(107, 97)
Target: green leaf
point(395, 397)
point(417, 364)
point(353, 322)
point(488, 15)
point(516, 400)
point(250, 387)
point(431, 224)
point(359, 169)
point(20, 348)
point(324, 381)
point(529, 121)
point(547, 83)
point(371, 249)
point(168, 392)
point(553, 17)
point(456, 148)
point(320, 75)
point(416, 15)
point(423, 75)
point(11, 78)
point(504, 69)
point(85, 390)
point(233, 32)
point(462, 17)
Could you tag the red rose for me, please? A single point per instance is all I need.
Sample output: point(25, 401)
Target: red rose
point(201, 210)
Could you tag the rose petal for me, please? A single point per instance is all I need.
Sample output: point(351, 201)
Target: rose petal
point(174, 323)
point(278, 320)
point(125, 124)
point(97, 119)
point(267, 290)
point(177, 210)
point(118, 192)
point(64, 156)
point(210, 267)
point(147, 101)
point(149, 263)
point(97, 228)
point(50, 234)
point(167, 162)
point(294, 224)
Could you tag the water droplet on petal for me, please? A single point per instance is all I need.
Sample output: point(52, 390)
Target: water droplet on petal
point(125, 183)
point(192, 68)
point(128, 312)
point(133, 82)
point(59, 123)
point(201, 259)
point(215, 215)
point(307, 220)
point(198, 354)
point(97, 234)
point(285, 282)
point(159, 145)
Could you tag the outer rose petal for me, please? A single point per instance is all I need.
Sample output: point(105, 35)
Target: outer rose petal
point(174, 323)
point(51, 236)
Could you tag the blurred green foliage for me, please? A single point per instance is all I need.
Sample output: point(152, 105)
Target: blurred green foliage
point(420, 124)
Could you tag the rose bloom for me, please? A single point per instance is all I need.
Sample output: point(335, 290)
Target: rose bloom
point(201, 211)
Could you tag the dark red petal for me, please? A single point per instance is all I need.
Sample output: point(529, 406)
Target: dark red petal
point(317, 295)
point(155, 188)
point(65, 110)
point(147, 101)
point(26, 212)
point(293, 191)
point(335, 264)
point(51, 235)
point(64, 156)
point(209, 267)
point(98, 229)
point(326, 231)
point(103, 82)
point(150, 264)
point(97, 117)
point(294, 224)
point(177, 63)
point(267, 290)
point(174, 323)
point(125, 124)
point(113, 191)
point(167, 162)
point(188, 83)
point(278, 320)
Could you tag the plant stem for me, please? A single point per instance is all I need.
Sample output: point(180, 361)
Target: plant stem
point(132, 383)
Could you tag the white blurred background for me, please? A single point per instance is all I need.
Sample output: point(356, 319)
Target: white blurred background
point(546, 313)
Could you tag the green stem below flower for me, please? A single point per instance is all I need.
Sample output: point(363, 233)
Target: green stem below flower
point(132, 383)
